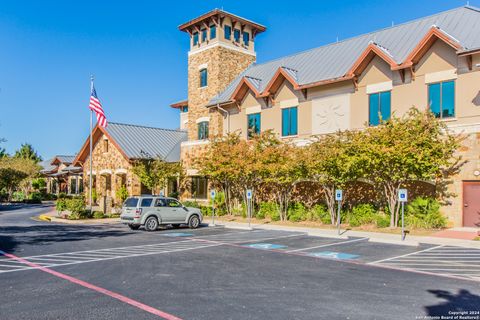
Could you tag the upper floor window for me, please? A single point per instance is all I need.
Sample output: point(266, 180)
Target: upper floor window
point(203, 77)
point(379, 107)
point(236, 35)
point(184, 109)
point(204, 35)
point(213, 32)
point(105, 145)
point(253, 124)
point(289, 122)
point(441, 99)
point(195, 38)
point(246, 38)
point(203, 130)
point(228, 32)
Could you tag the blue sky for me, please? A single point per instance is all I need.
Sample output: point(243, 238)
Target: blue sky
point(139, 58)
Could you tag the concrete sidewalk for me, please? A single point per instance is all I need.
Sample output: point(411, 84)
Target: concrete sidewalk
point(410, 240)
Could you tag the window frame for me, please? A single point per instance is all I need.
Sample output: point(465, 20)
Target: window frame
point(146, 199)
point(195, 182)
point(290, 131)
point(184, 109)
point(379, 111)
point(247, 35)
point(203, 79)
point(212, 31)
point(441, 117)
point(195, 38)
point(203, 130)
point(236, 31)
point(252, 133)
point(227, 35)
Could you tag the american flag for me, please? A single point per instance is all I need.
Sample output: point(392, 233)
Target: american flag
point(96, 105)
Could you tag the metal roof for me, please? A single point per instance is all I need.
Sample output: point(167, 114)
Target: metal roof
point(64, 159)
point(333, 61)
point(140, 142)
point(47, 166)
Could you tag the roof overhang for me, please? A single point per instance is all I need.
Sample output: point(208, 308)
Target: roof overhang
point(179, 104)
point(277, 80)
point(367, 56)
point(243, 87)
point(216, 16)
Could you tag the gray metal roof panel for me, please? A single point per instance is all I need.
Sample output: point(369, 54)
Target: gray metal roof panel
point(140, 142)
point(334, 60)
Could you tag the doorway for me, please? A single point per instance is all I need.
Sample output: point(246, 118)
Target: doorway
point(471, 204)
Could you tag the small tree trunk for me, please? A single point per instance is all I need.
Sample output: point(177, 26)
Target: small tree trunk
point(329, 193)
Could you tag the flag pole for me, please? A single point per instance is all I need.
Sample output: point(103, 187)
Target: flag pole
point(91, 141)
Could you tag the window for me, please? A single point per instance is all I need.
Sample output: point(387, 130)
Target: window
point(289, 121)
point(203, 130)
point(236, 35)
point(246, 38)
point(228, 32)
point(204, 35)
point(253, 124)
point(173, 203)
point(441, 99)
point(73, 185)
point(147, 202)
point(160, 203)
point(203, 78)
point(130, 202)
point(105, 145)
point(199, 187)
point(195, 38)
point(184, 109)
point(213, 32)
point(379, 107)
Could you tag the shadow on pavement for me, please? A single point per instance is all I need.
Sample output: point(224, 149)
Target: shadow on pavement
point(462, 301)
point(13, 236)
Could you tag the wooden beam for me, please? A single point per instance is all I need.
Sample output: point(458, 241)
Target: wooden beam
point(402, 74)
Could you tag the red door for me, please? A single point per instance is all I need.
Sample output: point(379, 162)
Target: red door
point(471, 204)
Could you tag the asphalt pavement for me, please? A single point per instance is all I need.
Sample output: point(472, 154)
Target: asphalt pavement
point(57, 271)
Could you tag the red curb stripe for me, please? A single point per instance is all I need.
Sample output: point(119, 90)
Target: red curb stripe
point(93, 287)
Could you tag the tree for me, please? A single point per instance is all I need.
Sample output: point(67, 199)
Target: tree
point(3, 153)
point(26, 151)
point(16, 172)
point(414, 147)
point(155, 173)
point(334, 161)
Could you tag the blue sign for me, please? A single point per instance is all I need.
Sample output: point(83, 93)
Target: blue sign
point(265, 246)
point(402, 195)
point(212, 193)
point(249, 194)
point(334, 255)
point(338, 195)
point(177, 234)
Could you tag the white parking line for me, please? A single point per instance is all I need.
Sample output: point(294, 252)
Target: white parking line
point(327, 245)
point(405, 255)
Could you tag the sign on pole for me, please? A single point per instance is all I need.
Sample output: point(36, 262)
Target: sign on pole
point(249, 205)
point(212, 196)
point(212, 193)
point(249, 194)
point(402, 195)
point(338, 195)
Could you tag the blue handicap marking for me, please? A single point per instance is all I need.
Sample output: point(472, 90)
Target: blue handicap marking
point(265, 246)
point(177, 234)
point(334, 255)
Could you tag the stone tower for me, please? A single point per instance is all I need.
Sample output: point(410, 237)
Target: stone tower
point(221, 47)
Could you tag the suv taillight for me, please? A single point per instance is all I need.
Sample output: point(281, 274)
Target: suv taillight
point(138, 212)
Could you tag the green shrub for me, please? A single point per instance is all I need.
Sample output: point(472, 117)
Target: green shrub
point(61, 205)
point(173, 195)
point(121, 194)
point(18, 196)
point(362, 214)
point(297, 212)
point(268, 210)
point(75, 205)
point(113, 215)
point(382, 221)
point(35, 196)
point(424, 213)
point(98, 215)
point(192, 204)
point(206, 210)
point(220, 207)
point(319, 212)
point(94, 195)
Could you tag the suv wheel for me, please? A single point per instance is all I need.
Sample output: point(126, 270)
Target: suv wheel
point(134, 226)
point(151, 224)
point(193, 222)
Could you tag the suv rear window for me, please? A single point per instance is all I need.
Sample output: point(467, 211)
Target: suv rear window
point(131, 203)
point(146, 202)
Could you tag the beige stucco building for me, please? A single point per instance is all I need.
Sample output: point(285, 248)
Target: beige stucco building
point(430, 63)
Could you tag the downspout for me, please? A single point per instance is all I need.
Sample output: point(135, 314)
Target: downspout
point(228, 116)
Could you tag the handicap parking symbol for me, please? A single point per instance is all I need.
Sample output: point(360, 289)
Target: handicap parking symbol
point(265, 246)
point(177, 234)
point(334, 255)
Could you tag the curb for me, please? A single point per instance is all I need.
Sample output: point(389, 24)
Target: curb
point(44, 217)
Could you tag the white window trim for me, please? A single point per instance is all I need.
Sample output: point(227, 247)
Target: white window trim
point(379, 87)
point(289, 103)
point(203, 66)
point(254, 109)
point(441, 76)
point(203, 119)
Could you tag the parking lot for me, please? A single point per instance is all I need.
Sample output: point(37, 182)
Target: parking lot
point(218, 273)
